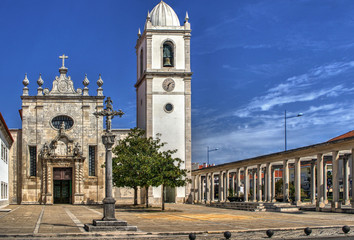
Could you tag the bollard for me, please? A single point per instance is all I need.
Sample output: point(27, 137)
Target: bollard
point(345, 229)
point(227, 235)
point(308, 231)
point(192, 236)
point(270, 233)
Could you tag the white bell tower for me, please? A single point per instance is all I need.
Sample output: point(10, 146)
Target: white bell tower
point(163, 87)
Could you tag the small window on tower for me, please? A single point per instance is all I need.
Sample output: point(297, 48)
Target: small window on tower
point(168, 54)
point(141, 62)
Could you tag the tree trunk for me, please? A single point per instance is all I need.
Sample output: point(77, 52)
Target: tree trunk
point(147, 196)
point(162, 197)
point(135, 195)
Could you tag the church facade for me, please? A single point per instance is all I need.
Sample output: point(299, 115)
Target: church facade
point(58, 153)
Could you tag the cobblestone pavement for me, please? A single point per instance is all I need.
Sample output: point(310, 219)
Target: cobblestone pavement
point(66, 222)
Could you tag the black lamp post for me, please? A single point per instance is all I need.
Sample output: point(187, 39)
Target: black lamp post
point(285, 117)
point(210, 150)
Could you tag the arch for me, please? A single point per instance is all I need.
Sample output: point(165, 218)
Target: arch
point(168, 53)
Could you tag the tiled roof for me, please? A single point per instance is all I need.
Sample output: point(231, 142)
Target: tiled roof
point(343, 136)
point(6, 128)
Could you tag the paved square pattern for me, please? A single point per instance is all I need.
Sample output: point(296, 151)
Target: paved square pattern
point(178, 218)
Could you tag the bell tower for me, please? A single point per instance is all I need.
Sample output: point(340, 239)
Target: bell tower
point(163, 87)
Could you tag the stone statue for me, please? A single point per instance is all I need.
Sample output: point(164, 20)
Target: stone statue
point(77, 150)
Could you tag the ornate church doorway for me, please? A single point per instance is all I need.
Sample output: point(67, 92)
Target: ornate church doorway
point(62, 187)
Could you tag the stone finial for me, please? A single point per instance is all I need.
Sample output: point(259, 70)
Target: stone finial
point(25, 82)
point(100, 81)
point(148, 24)
point(40, 83)
point(86, 82)
point(187, 25)
point(99, 84)
point(139, 33)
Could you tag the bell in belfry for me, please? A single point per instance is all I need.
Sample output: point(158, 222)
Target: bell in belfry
point(167, 62)
point(167, 56)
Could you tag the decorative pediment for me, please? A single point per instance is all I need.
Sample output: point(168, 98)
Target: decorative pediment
point(63, 85)
point(62, 146)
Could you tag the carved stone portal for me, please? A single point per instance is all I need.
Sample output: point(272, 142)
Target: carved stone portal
point(62, 152)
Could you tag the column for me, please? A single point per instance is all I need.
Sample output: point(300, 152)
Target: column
point(352, 170)
point(238, 182)
point(273, 185)
point(212, 187)
point(286, 180)
point(200, 188)
point(259, 183)
point(195, 194)
point(81, 178)
point(221, 187)
point(50, 199)
point(233, 183)
point(335, 180)
point(268, 180)
point(246, 184)
point(346, 200)
point(227, 187)
point(76, 182)
point(313, 182)
point(297, 181)
point(320, 181)
point(254, 195)
point(325, 200)
point(207, 187)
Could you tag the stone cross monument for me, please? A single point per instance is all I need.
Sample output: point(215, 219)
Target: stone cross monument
point(109, 221)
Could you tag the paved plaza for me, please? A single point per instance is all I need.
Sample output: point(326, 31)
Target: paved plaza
point(67, 221)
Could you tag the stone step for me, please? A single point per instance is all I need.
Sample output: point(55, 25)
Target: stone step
point(257, 207)
point(109, 223)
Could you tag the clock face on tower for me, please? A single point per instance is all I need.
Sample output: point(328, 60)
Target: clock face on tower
point(168, 84)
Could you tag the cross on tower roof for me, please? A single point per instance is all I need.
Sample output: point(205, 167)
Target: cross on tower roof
point(63, 57)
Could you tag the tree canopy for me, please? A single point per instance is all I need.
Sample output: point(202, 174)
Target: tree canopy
point(141, 162)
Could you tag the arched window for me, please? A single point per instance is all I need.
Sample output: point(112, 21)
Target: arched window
point(141, 62)
point(168, 54)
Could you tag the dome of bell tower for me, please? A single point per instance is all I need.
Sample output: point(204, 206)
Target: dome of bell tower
point(164, 15)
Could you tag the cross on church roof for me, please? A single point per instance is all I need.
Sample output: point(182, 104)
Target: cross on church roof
point(63, 57)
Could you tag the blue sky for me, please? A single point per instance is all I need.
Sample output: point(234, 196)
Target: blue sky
point(251, 61)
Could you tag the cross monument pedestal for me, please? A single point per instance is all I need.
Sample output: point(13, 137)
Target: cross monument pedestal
point(109, 221)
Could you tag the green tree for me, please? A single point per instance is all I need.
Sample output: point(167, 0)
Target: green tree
point(140, 162)
point(167, 172)
point(132, 162)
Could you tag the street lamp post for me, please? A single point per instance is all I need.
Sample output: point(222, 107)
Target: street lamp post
point(285, 117)
point(210, 150)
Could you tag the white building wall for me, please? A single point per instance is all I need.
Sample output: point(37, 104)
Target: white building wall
point(4, 170)
point(141, 106)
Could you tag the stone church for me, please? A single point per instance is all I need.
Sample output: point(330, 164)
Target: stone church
point(57, 155)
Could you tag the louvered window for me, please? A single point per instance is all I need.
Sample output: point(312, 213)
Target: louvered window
point(33, 160)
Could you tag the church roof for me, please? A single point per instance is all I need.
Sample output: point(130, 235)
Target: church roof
point(164, 15)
